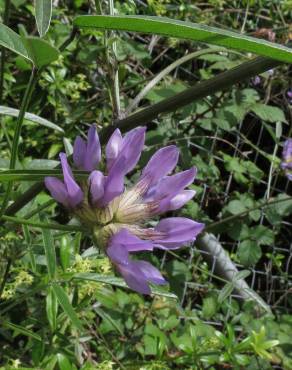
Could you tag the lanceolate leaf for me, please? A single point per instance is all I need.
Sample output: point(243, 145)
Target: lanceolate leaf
point(37, 51)
point(21, 330)
point(36, 175)
point(187, 30)
point(12, 41)
point(63, 299)
point(43, 13)
point(7, 111)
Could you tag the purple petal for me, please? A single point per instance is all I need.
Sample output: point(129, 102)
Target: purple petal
point(57, 189)
point(132, 146)
point(151, 273)
point(134, 277)
point(118, 253)
point(93, 150)
point(176, 231)
point(75, 194)
point(96, 186)
point(181, 199)
point(169, 187)
point(79, 152)
point(131, 242)
point(114, 183)
point(160, 164)
point(287, 155)
point(113, 147)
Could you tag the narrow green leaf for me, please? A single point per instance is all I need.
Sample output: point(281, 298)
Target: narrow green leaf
point(21, 330)
point(49, 249)
point(12, 41)
point(66, 249)
point(43, 14)
point(7, 111)
point(40, 52)
point(36, 175)
point(107, 317)
point(112, 280)
point(187, 30)
point(52, 308)
point(66, 305)
point(43, 225)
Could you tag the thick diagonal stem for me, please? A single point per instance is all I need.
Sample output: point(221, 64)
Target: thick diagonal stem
point(200, 90)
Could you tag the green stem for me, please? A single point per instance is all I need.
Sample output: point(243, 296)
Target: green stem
point(14, 150)
point(41, 225)
point(244, 213)
point(111, 63)
point(116, 87)
point(69, 40)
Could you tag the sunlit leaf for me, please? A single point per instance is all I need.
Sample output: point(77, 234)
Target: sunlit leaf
point(7, 111)
point(43, 13)
point(187, 30)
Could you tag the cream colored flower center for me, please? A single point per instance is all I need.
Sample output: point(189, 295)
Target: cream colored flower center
point(125, 211)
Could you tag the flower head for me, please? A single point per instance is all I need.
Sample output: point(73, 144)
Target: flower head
point(287, 158)
point(116, 215)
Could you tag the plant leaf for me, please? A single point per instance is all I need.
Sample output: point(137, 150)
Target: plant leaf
point(49, 249)
point(43, 14)
point(40, 52)
point(52, 308)
point(12, 41)
point(66, 305)
point(112, 280)
point(7, 111)
point(187, 30)
point(21, 330)
point(37, 51)
point(36, 175)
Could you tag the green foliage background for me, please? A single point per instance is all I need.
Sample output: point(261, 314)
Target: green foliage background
point(52, 315)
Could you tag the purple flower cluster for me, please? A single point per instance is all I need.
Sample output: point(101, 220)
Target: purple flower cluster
point(117, 216)
point(287, 158)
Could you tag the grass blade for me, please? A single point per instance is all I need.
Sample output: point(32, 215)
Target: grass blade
point(63, 299)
